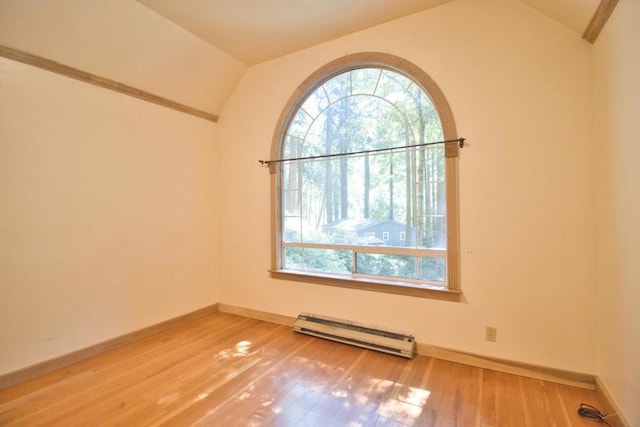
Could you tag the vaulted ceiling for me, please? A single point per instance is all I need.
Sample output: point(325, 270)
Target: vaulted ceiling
point(254, 31)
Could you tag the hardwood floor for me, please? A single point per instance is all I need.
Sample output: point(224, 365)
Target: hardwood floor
point(226, 370)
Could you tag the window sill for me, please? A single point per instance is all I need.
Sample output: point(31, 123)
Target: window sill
point(391, 287)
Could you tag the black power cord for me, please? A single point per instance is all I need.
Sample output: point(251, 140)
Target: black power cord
point(592, 412)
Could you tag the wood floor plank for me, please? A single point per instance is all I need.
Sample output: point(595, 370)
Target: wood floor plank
point(552, 395)
point(297, 388)
point(368, 391)
point(214, 406)
point(229, 370)
point(488, 415)
point(534, 405)
point(404, 403)
point(313, 386)
point(468, 396)
point(199, 374)
point(187, 381)
point(442, 384)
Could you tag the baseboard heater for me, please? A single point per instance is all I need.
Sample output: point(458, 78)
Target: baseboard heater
point(352, 333)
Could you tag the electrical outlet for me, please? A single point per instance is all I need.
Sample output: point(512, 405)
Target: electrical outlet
point(491, 334)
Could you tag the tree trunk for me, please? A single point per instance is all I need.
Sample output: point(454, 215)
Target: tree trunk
point(367, 183)
point(328, 187)
point(391, 188)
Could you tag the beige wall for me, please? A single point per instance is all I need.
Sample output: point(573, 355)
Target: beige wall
point(617, 131)
point(124, 41)
point(108, 204)
point(520, 87)
point(107, 215)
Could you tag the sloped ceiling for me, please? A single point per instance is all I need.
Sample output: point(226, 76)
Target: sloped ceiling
point(254, 31)
point(575, 14)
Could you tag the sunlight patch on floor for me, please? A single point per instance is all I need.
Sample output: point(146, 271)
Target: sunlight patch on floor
point(404, 408)
point(241, 349)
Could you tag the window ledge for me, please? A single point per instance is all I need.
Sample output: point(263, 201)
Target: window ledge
point(391, 287)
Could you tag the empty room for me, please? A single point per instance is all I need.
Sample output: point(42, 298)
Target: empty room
point(319, 213)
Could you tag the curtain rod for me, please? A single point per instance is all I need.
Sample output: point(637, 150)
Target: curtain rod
point(460, 142)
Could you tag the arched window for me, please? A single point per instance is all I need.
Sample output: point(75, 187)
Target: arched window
point(379, 219)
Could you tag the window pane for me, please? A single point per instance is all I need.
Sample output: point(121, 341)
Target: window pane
point(338, 87)
point(432, 198)
point(364, 80)
point(432, 127)
point(291, 202)
point(340, 200)
point(316, 102)
point(340, 203)
point(325, 260)
point(408, 267)
point(393, 86)
point(292, 229)
point(421, 98)
point(427, 128)
point(430, 164)
point(433, 232)
point(300, 124)
point(433, 269)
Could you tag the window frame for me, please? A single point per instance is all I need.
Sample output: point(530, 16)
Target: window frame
point(393, 63)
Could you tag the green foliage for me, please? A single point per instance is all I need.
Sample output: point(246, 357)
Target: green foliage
point(407, 267)
point(327, 260)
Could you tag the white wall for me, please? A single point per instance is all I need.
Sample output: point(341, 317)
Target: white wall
point(617, 135)
point(520, 87)
point(108, 204)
